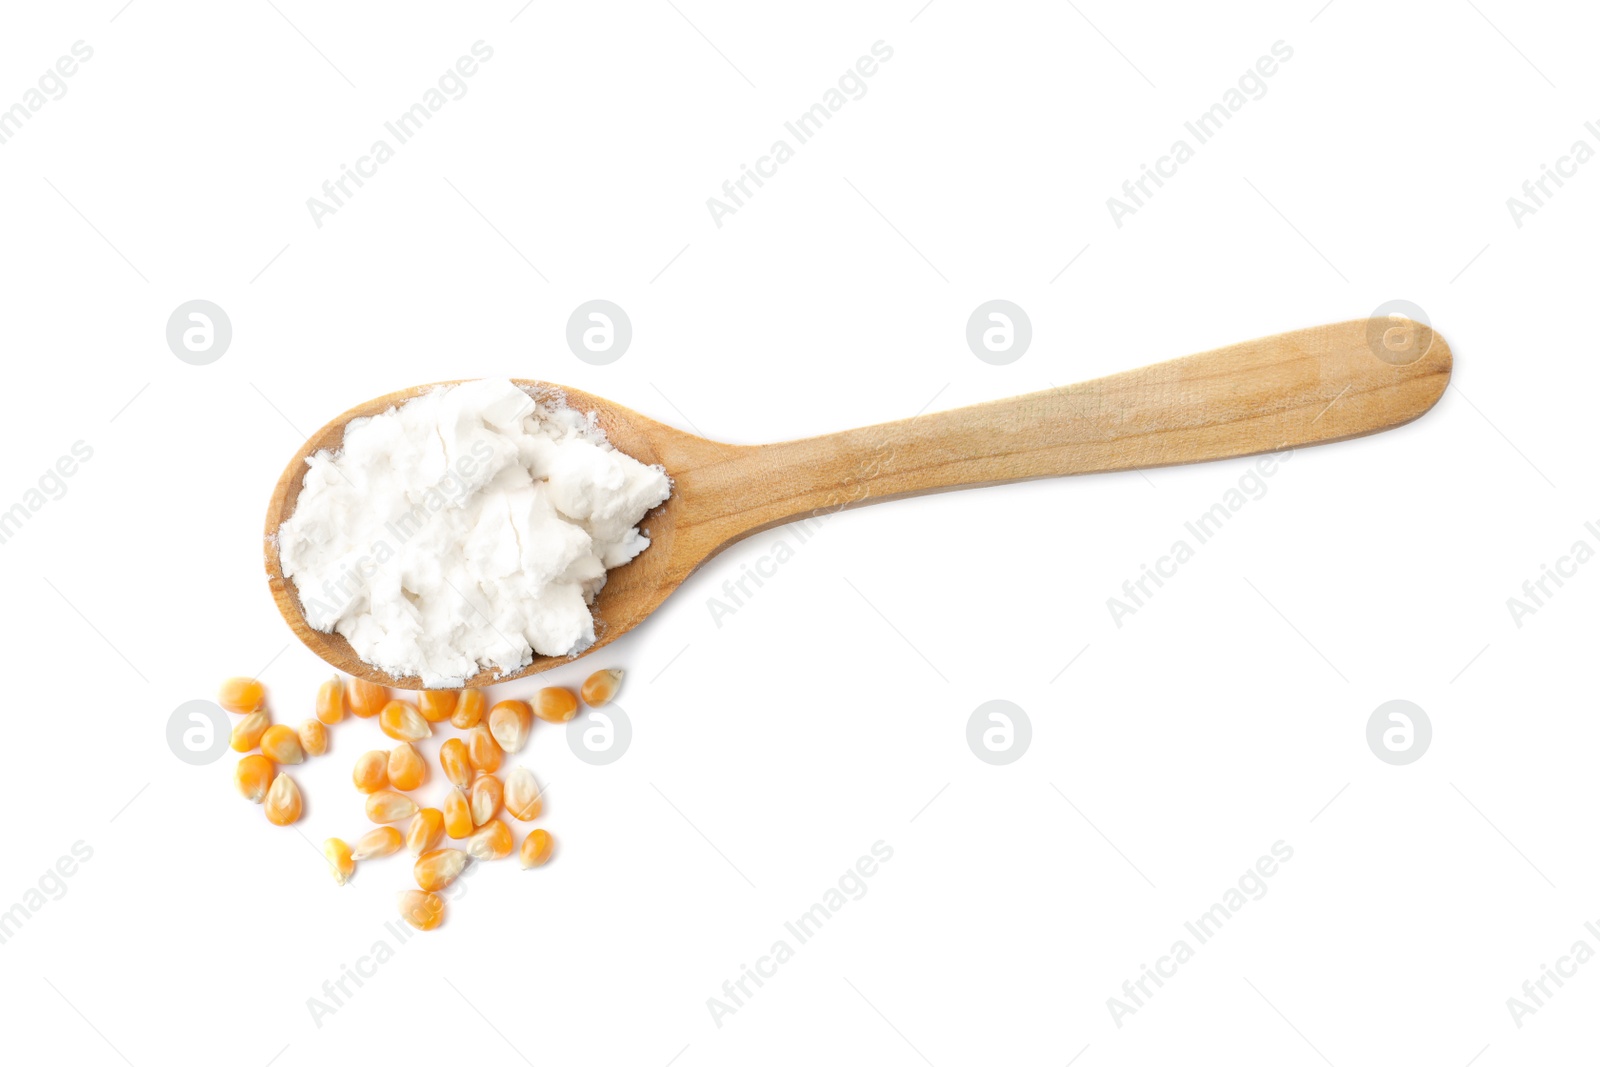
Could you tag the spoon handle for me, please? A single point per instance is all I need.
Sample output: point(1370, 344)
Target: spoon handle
point(1327, 383)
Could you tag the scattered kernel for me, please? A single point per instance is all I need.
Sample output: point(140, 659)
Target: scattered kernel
point(600, 687)
point(407, 768)
point(457, 767)
point(492, 841)
point(371, 771)
point(510, 722)
point(554, 704)
point(536, 848)
point(388, 806)
point(248, 730)
point(283, 802)
point(426, 831)
point(483, 751)
point(340, 860)
point(457, 815)
point(423, 910)
point(523, 797)
point(469, 709)
point(281, 744)
point(253, 777)
point(241, 695)
point(366, 698)
point(485, 798)
point(383, 841)
point(438, 868)
point(403, 722)
point(436, 705)
point(331, 703)
point(313, 737)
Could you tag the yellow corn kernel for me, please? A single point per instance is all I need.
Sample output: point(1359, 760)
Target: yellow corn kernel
point(407, 768)
point(384, 841)
point(536, 848)
point(554, 704)
point(457, 815)
point(510, 722)
point(403, 722)
point(469, 709)
point(241, 695)
point(483, 751)
point(283, 802)
point(436, 705)
point(524, 800)
point(457, 767)
point(372, 771)
point(491, 841)
point(366, 698)
point(340, 860)
point(485, 798)
point(313, 737)
point(600, 687)
point(253, 777)
point(422, 910)
point(388, 806)
point(331, 702)
point(248, 730)
point(426, 831)
point(281, 744)
point(438, 868)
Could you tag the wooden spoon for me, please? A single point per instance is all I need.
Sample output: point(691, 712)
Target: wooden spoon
point(1328, 383)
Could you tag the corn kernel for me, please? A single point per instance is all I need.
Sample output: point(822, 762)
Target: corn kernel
point(371, 771)
point(403, 722)
point(253, 777)
point(313, 737)
point(510, 721)
point(281, 744)
point(469, 709)
point(483, 751)
point(241, 695)
point(407, 768)
point(383, 841)
point(366, 698)
point(438, 868)
point(340, 860)
point(436, 705)
point(283, 802)
point(554, 704)
point(485, 798)
point(524, 800)
point(600, 687)
point(331, 703)
point(457, 815)
point(422, 910)
point(492, 841)
point(536, 849)
point(457, 767)
point(426, 831)
point(388, 806)
point(248, 730)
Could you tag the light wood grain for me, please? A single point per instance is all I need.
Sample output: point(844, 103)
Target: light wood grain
point(1328, 383)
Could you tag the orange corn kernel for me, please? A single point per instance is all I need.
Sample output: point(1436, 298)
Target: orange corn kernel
point(366, 698)
point(283, 803)
point(331, 703)
point(241, 695)
point(457, 815)
point(248, 730)
point(313, 737)
point(281, 744)
point(426, 831)
point(388, 806)
point(253, 777)
point(436, 705)
point(423, 910)
point(457, 767)
point(371, 771)
point(492, 841)
point(469, 709)
point(483, 751)
point(403, 722)
point(523, 798)
point(600, 687)
point(407, 768)
point(536, 848)
point(340, 860)
point(384, 841)
point(484, 798)
point(554, 704)
point(439, 867)
point(510, 722)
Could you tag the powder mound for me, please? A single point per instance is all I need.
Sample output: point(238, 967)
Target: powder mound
point(467, 529)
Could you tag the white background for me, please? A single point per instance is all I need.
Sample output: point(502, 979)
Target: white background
point(830, 711)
